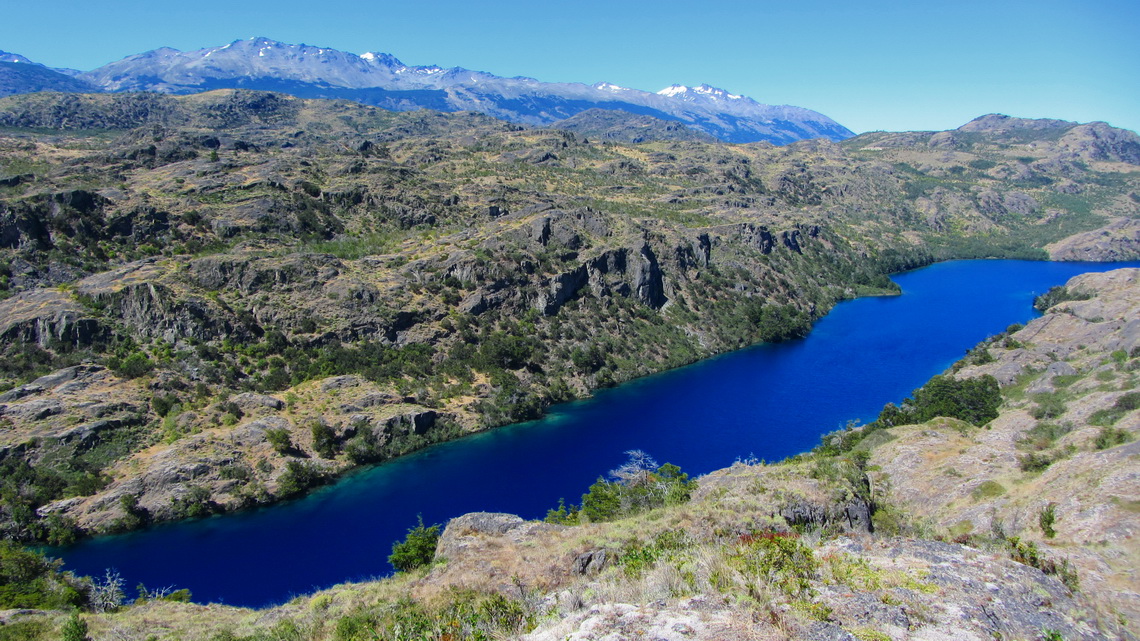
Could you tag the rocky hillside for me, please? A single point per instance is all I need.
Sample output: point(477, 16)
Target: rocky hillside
point(1059, 467)
point(604, 125)
point(219, 300)
point(1015, 524)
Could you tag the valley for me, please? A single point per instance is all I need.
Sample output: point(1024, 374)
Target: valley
point(202, 272)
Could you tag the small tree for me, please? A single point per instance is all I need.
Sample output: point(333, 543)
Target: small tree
point(1046, 518)
point(107, 595)
point(417, 549)
point(74, 629)
point(278, 437)
point(602, 502)
point(324, 439)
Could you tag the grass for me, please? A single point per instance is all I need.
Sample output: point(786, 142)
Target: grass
point(357, 247)
point(988, 490)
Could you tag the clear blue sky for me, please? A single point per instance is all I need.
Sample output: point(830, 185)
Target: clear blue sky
point(870, 64)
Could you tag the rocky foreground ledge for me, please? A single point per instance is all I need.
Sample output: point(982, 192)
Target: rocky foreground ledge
point(1023, 528)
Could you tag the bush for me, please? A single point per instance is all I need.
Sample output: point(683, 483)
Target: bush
point(781, 560)
point(195, 503)
point(298, 477)
point(417, 549)
point(1111, 437)
point(1046, 518)
point(30, 580)
point(988, 490)
point(1048, 406)
point(133, 366)
point(1059, 294)
point(637, 485)
point(75, 629)
point(974, 400)
point(278, 437)
point(1109, 416)
point(1038, 461)
point(324, 439)
point(162, 404)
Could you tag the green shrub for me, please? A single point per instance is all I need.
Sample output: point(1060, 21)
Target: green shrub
point(1026, 552)
point(1056, 295)
point(1044, 435)
point(74, 629)
point(298, 477)
point(1036, 461)
point(163, 403)
point(783, 561)
point(30, 580)
point(1109, 416)
point(194, 504)
point(1049, 405)
point(28, 630)
point(638, 485)
point(1111, 437)
point(638, 558)
point(133, 366)
point(278, 437)
point(324, 439)
point(974, 400)
point(1046, 518)
point(417, 549)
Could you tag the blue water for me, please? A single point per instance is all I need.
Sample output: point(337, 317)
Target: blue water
point(767, 401)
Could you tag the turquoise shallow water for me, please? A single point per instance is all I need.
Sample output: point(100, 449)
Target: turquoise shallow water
point(767, 401)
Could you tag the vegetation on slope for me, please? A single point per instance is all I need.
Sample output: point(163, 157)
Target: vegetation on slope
point(283, 289)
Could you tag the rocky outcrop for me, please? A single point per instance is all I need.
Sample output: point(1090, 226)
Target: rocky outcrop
point(1059, 443)
point(43, 317)
point(852, 516)
point(141, 300)
point(1097, 141)
point(561, 288)
point(248, 275)
point(1119, 240)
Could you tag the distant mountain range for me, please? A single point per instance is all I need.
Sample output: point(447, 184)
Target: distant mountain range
point(382, 80)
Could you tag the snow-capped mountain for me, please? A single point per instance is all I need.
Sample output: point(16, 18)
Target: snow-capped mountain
point(383, 80)
point(14, 57)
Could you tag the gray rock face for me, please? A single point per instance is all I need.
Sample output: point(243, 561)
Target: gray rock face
point(1119, 240)
point(853, 516)
point(300, 272)
point(592, 562)
point(456, 536)
point(250, 401)
point(647, 280)
point(139, 298)
point(41, 316)
point(562, 288)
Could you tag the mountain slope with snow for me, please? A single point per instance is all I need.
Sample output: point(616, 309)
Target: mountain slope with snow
point(382, 80)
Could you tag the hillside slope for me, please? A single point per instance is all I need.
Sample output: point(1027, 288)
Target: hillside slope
point(930, 531)
point(216, 301)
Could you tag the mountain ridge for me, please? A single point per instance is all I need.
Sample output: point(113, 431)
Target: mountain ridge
point(382, 80)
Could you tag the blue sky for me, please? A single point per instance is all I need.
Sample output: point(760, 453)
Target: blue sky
point(870, 65)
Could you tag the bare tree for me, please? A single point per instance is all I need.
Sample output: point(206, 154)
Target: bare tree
point(107, 595)
point(636, 470)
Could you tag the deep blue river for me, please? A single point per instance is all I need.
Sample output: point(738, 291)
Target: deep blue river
point(767, 401)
